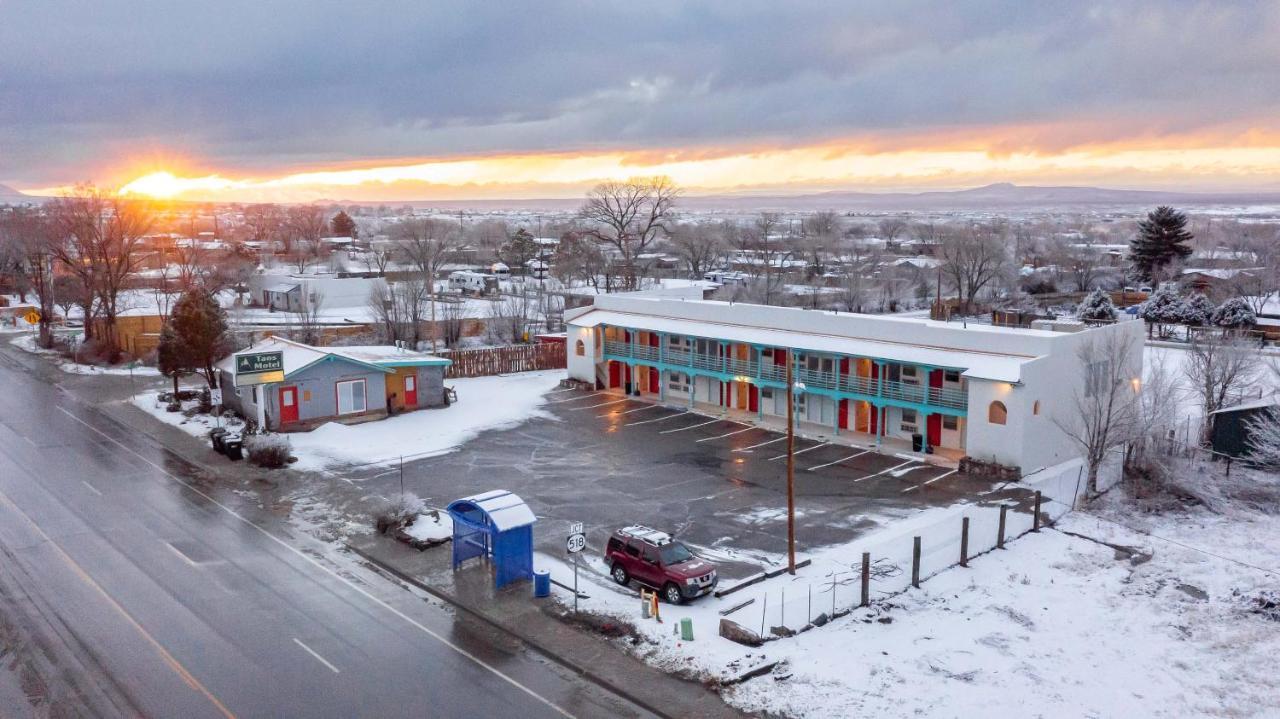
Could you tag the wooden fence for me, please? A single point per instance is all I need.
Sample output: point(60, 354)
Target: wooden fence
point(488, 361)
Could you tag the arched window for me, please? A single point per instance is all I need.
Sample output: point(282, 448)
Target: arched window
point(580, 348)
point(996, 413)
point(1035, 407)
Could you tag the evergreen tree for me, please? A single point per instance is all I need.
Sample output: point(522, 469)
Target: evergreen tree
point(1234, 314)
point(199, 328)
point(1162, 238)
point(171, 358)
point(518, 250)
point(1097, 306)
point(1196, 310)
point(343, 226)
point(1163, 307)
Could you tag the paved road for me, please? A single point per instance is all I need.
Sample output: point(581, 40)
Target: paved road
point(142, 587)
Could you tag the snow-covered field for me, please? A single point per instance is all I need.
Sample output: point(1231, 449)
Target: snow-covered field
point(484, 403)
point(27, 342)
point(1054, 626)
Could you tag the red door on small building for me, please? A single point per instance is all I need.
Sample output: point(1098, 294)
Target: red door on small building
point(615, 374)
point(875, 419)
point(934, 425)
point(288, 405)
point(753, 398)
point(844, 414)
point(653, 380)
point(410, 391)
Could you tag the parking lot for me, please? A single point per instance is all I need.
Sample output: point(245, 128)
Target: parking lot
point(718, 484)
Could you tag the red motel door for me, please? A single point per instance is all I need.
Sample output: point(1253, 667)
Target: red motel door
point(615, 374)
point(410, 391)
point(844, 414)
point(288, 404)
point(753, 398)
point(934, 424)
point(653, 380)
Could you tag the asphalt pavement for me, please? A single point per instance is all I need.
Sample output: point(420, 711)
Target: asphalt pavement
point(141, 585)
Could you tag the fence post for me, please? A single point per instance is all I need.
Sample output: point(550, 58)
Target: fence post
point(764, 613)
point(964, 541)
point(866, 579)
point(1004, 510)
point(1035, 518)
point(915, 564)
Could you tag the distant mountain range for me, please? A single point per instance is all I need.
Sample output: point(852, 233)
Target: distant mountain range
point(1001, 195)
point(10, 195)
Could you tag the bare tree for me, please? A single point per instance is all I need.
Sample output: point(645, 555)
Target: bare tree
point(578, 259)
point(820, 233)
point(510, 315)
point(303, 227)
point(102, 233)
point(973, 259)
point(891, 228)
point(1104, 413)
point(1159, 400)
point(400, 308)
point(428, 244)
point(628, 217)
point(453, 318)
point(1264, 439)
point(306, 320)
point(29, 248)
point(1218, 372)
point(699, 245)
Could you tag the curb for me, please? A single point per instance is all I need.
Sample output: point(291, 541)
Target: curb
point(535, 644)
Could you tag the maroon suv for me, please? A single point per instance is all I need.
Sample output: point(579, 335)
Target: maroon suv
point(654, 559)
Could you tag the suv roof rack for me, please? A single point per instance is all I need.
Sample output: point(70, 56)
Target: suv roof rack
point(646, 535)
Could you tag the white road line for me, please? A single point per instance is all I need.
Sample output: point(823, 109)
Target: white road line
point(593, 406)
point(181, 555)
point(316, 563)
point(562, 391)
point(692, 426)
point(91, 488)
point(728, 434)
point(771, 441)
point(319, 658)
point(838, 461)
point(806, 449)
point(660, 419)
point(629, 411)
point(941, 476)
point(877, 474)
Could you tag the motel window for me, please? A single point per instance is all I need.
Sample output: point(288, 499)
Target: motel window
point(909, 421)
point(997, 413)
point(678, 382)
point(351, 398)
point(816, 363)
point(580, 348)
point(950, 422)
point(953, 376)
point(909, 375)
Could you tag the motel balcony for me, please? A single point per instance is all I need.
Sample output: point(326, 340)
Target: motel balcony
point(730, 368)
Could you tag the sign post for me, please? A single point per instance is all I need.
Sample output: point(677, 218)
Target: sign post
point(215, 399)
point(575, 543)
point(260, 368)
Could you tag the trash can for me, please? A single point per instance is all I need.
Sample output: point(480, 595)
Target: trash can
point(686, 629)
point(542, 583)
point(917, 442)
point(216, 436)
point(233, 446)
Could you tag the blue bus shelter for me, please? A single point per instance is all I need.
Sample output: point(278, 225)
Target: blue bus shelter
point(495, 525)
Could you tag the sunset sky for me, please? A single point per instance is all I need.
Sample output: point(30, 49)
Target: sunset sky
point(296, 101)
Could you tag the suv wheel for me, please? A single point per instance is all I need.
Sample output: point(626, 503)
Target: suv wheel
point(672, 594)
point(620, 575)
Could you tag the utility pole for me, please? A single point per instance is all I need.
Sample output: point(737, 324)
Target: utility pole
point(791, 469)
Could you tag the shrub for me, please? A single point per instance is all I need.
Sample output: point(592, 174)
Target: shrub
point(1235, 313)
point(268, 450)
point(397, 511)
point(1097, 306)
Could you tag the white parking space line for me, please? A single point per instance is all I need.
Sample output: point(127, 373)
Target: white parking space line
point(838, 461)
point(886, 471)
point(591, 395)
point(602, 404)
point(181, 555)
point(771, 441)
point(91, 488)
point(660, 419)
point(319, 658)
point(562, 391)
point(941, 476)
point(692, 426)
point(806, 449)
point(727, 434)
point(629, 411)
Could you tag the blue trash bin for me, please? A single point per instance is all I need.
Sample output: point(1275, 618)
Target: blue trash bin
point(542, 583)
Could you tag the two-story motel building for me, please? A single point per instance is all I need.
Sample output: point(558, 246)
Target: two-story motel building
point(990, 393)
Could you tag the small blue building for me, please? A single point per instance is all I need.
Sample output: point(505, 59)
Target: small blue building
point(496, 525)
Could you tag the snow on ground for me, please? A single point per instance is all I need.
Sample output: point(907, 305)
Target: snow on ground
point(1054, 626)
point(27, 342)
point(484, 403)
point(434, 527)
point(188, 420)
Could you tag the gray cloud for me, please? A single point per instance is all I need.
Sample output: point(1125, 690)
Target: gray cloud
point(257, 84)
